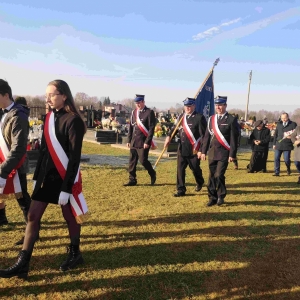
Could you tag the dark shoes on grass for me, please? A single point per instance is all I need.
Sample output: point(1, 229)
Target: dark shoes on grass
point(179, 194)
point(219, 202)
point(130, 183)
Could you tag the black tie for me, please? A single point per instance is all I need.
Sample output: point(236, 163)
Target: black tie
point(2, 112)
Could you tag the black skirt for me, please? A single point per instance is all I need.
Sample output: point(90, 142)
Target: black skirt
point(48, 189)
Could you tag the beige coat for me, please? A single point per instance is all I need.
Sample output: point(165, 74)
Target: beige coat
point(294, 137)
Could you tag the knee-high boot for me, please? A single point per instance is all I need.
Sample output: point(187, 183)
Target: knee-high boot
point(20, 268)
point(74, 258)
point(3, 219)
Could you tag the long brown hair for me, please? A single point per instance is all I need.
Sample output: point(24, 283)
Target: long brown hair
point(69, 104)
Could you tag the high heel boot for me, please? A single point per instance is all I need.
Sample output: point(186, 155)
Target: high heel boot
point(3, 219)
point(20, 268)
point(74, 258)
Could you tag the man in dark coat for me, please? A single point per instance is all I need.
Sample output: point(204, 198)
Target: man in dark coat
point(191, 132)
point(283, 143)
point(139, 139)
point(14, 129)
point(220, 144)
point(260, 138)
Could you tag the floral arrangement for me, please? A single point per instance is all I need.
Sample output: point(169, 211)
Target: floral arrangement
point(35, 122)
point(160, 130)
point(271, 126)
point(246, 126)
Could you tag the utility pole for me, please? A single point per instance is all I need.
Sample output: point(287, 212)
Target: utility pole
point(246, 112)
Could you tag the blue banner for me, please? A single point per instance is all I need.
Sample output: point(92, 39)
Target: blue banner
point(205, 98)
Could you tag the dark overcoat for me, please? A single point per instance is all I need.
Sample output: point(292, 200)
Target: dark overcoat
point(15, 129)
point(135, 136)
point(280, 132)
point(69, 130)
point(228, 126)
point(197, 124)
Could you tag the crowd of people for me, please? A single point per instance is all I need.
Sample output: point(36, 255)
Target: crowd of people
point(57, 178)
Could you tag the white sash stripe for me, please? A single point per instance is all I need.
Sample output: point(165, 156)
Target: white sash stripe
point(219, 134)
point(64, 161)
point(5, 151)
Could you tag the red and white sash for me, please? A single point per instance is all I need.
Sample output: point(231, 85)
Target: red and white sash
point(216, 131)
point(143, 129)
point(12, 185)
point(60, 159)
point(195, 143)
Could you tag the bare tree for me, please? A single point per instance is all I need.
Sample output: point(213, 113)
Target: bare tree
point(81, 99)
point(129, 102)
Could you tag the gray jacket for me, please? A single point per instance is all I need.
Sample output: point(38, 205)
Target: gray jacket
point(294, 137)
point(15, 133)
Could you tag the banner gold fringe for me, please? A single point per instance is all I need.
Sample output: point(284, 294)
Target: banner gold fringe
point(82, 218)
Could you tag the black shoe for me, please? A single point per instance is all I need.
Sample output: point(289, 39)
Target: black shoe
point(21, 241)
point(179, 194)
point(211, 202)
point(264, 170)
point(153, 178)
point(20, 268)
point(220, 201)
point(74, 258)
point(198, 188)
point(288, 172)
point(275, 174)
point(130, 183)
point(3, 219)
point(249, 171)
point(3, 222)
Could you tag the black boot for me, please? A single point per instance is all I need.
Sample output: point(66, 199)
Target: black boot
point(74, 258)
point(20, 268)
point(3, 219)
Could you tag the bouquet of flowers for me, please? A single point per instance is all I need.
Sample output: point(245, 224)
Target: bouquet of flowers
point(286, 135)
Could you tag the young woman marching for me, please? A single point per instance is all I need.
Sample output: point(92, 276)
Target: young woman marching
point(56, 178)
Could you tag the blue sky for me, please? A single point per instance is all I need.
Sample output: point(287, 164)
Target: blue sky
point(160, 48)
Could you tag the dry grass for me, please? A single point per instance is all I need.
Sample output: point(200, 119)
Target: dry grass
point(142, 243)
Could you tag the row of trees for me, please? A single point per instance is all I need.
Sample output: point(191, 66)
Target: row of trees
point(272, 116)
point(83, 99)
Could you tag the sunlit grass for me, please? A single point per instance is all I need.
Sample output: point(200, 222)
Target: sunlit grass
point(142, 243)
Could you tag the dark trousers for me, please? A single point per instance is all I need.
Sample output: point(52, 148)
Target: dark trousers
point(286, 157)
point(139, 154)
point(216, 181)
point(194, 163)
point(297, 164)
point(266, 158)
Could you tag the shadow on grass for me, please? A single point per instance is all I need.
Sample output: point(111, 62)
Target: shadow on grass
point(256, 269)
point(212, 216)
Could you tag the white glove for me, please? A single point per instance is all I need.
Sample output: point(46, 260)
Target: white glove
point(63, 198)
point(33, 184)
point(2, 182)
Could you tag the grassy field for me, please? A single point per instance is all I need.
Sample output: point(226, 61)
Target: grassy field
point(142, 243)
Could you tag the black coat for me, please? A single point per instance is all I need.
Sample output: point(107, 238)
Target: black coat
point(69, 130)
point(285, 144)
point(135, 136)
point(229, 128)
point(15, 129)
point(197, 124)
point(262, 135)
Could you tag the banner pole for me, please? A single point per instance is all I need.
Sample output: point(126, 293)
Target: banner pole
point(178, 124)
